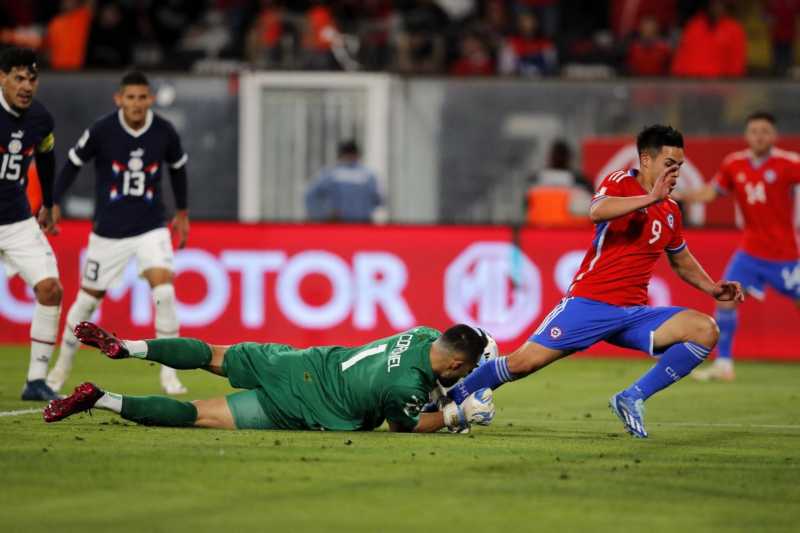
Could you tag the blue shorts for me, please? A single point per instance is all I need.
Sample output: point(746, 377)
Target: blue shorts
point(753, 273)
point(577, 323)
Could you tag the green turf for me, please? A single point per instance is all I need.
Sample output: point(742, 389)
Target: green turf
point(720, 457)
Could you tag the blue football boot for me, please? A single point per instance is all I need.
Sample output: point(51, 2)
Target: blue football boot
point(631, 412)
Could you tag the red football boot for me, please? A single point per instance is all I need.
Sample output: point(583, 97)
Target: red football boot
point(82, 399)
point(93, 335)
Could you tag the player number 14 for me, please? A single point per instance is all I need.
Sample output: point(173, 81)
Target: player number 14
point(755, 193)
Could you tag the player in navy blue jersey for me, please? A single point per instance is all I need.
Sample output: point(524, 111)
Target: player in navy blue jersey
point(130, 148)
point(26, 133)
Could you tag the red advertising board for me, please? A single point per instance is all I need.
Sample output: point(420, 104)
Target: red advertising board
point(315, 285)
point(603, 155)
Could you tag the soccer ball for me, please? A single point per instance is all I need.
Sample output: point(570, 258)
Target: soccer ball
point(439, 397)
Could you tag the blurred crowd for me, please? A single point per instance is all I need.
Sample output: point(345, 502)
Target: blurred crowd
point(578, 38)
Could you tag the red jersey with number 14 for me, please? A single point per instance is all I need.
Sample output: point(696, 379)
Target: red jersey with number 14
point(764, 193)
point(617, 268)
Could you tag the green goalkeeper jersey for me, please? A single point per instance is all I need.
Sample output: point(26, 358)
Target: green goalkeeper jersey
point(340, 388)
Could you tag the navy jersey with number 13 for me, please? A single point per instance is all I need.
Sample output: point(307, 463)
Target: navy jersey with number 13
point(128, 168)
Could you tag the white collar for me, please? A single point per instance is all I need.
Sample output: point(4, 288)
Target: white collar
point(148, 119)
point(6, 106)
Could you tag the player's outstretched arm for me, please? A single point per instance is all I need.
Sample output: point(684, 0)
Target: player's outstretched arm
point(689, 270)
point(705, 194)
point(478, 408)
point(612, 207)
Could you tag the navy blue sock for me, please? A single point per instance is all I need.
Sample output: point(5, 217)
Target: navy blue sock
point(727, 320)
point(491, 375)
point(675, 363)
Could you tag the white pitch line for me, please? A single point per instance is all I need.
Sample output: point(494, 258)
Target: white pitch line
point(728, 425)
point(689, 424)
point(20, 412)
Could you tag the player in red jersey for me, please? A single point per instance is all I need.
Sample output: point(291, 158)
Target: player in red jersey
point(762, 180)
point(635, 221)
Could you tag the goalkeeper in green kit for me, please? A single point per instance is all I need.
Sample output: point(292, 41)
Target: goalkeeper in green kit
point(323, 388)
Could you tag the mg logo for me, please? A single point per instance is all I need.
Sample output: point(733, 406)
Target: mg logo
point(495, 286)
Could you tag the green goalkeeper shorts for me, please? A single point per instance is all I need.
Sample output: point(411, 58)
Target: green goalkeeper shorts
point(248, 411)
point(262, 369)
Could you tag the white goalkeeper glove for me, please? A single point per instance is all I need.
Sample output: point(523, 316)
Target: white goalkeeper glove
point(478, 408)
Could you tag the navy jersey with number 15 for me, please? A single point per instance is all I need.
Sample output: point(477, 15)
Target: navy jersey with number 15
point(128, 168)
point(22, 135)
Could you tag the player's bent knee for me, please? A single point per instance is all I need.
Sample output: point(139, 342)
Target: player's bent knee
point(48, 292)
point(214, 414)
point(705, 330)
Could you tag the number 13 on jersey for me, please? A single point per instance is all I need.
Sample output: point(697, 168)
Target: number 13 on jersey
point(133, 183)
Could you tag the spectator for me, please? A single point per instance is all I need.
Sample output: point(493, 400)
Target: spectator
point(269, 39)
point(320, 33)
point(648, 53)
point(374, 34)
point(420, 47)
point(558, 195)
point(494, 23)
point(474, 58)
point(586, 39)
point(529, 51)
point(347, 192)
point(67, 35)
point(547, 11)
point(713, 45)
point(111, 38)
point(626, 15)
point(783, 30)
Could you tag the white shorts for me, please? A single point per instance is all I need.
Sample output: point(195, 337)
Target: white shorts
point(24, 250)
point(106, 258)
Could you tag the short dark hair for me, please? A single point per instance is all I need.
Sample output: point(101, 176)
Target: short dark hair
point(134, 77)
point(14, 57)
point(348, 147)
point(761, 115)
point(466, 340)
point(655, 137)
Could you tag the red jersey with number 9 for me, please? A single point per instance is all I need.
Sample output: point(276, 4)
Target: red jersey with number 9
point(617, 268)
point(764, 193)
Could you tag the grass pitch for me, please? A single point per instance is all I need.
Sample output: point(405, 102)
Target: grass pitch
point(720, 457)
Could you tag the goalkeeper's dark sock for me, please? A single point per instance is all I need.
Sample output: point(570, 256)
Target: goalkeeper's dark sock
point(488, 375)
point(180, 353)
point(156, 411)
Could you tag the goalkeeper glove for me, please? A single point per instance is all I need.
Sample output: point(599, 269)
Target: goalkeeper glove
point(478, 408)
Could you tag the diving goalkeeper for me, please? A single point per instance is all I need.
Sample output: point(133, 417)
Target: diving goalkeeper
point(323, 388)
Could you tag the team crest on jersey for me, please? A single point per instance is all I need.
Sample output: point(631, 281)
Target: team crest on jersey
point(740, 177)
point(770, 176)
point(671, 221)
point(555, 332)
point(135, 163)
point(413, 408)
